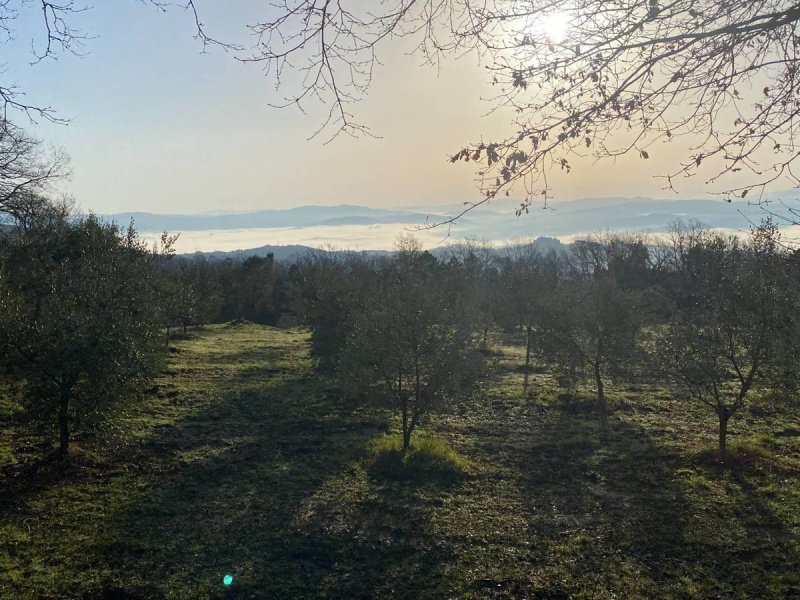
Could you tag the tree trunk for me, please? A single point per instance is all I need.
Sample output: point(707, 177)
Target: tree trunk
point(63, 420)
point(485, 335)
point(406, 439)
point(167, 340)
point(602, 403)
point(723, 429)
point(406, 430)
point(528, 349)
point(412, 425)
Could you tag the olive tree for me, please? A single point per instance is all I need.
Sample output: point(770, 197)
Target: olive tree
point(471, 277)
point(178, 303)
point(326, 290)
point(408, 346)
point(527, 279)
point(79, 314)
point(252, 288)
point(591, 318)
point(738, 325)
point(592, 324)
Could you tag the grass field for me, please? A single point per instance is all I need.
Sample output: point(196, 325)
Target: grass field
point(243, 461)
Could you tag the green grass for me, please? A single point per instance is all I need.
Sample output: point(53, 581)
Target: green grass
point(243, 460)
point(427, 460)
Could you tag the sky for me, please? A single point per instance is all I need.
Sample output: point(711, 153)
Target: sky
point(156, 125)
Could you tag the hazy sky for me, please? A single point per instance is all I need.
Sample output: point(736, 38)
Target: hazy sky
point(158, 126)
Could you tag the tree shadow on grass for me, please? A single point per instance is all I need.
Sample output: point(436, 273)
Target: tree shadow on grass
point(222, 484)
point(260, 477)
point(266, 480)
point(270, 487)
point(378, 532)
point(613, 514)
point(748, 542)
point(603, 502)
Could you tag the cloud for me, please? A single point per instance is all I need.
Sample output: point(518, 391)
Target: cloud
point(350, 237)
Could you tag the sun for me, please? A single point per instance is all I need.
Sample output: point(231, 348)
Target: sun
point(555, 27)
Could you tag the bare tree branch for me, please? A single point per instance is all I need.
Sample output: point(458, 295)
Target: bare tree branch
point(720, 76)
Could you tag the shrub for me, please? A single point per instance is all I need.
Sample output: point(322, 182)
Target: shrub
point(428, 458)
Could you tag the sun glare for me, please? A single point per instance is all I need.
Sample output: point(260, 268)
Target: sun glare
point(555, 26)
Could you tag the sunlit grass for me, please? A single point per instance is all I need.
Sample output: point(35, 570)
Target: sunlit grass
point(427, 458)
point(243, 461)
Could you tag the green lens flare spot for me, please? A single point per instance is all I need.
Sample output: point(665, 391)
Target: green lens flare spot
point(227, 580)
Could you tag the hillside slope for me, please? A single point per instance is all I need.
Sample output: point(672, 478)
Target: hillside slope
point(243, 461)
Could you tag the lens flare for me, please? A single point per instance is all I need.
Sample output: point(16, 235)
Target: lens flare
point(555, 27)
point(227, 580)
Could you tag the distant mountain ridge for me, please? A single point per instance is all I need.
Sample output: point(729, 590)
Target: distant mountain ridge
point(560, 218)
point(286, 253)
point(348, 225)
point(293, 252)
point(302, 216)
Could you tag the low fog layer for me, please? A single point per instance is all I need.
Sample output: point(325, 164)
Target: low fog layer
point(364, 228)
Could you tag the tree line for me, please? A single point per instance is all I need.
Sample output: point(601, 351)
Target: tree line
point(87, 311)
point(712, 316)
